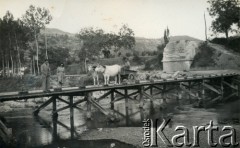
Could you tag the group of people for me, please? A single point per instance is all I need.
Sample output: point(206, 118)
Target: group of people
point(45, 71)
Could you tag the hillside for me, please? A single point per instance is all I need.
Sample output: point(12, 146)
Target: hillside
point(215, 56)
point(55, 31)
point(142, 44)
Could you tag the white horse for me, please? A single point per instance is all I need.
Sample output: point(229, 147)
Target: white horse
point(109, 71)
point(94, 73)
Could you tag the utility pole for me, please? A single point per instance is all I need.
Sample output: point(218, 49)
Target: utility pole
point(205, 27)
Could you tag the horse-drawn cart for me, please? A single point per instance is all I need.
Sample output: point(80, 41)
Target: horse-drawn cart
point(128, 74)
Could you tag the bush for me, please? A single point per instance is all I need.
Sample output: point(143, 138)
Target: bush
point(128, 54)
point(204, 57)
point(137, 59)
point(232, 42)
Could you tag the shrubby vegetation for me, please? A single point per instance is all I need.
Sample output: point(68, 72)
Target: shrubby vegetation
point(204, 57)
point(96, 42)
point(225, 14)
point(232, 42)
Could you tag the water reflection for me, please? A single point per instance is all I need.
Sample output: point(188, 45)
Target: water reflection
point(44, 131)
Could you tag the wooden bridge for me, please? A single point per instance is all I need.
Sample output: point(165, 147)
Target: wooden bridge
point(220, 85)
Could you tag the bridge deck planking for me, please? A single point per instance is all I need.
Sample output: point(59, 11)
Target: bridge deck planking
point(76, 91)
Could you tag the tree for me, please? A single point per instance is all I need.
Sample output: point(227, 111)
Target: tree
point(36, 19)
point(127, 39)
point(166, 36)
point(225, 14)
point(13, 42)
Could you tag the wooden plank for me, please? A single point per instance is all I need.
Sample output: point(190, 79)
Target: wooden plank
point(99, 107)
point(75, 90)
point(231, 95)
point(159, 88)
point(43, 106)
point(217, 98)
point(105, 95)
point(211, 88)
point(189, 92)
point(148, 96)
point(60, 99)
point(61, 109)
point(123, 94)
point(224, 82)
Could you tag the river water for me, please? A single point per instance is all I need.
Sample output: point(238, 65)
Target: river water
point(42, 131)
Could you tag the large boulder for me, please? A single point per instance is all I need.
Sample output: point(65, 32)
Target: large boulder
point(178, 55)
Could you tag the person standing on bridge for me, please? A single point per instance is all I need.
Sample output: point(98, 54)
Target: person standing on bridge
point(45, 71)
point(126, 63)
point(60, 74)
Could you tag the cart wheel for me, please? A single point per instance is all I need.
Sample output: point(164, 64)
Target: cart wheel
point(131, 77)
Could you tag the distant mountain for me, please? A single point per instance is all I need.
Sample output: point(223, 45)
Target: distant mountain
point(142, 44)
point(183, 37)
point(55, 31)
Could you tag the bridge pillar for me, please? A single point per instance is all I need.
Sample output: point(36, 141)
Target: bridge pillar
point(54, 131)
point(54, 108)
point(151, 90)
point(189, 89)
point(71, 116)
point(89, 96)
point(163, 93)
point(112, 99)
point(140, 89)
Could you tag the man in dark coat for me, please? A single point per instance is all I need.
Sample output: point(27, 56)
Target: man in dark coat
point(45, 70)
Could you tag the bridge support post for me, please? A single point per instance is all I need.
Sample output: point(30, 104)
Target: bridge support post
point(151, 90)
point(189, 89)
point(112, 99)
point(140, 89)
point(36, 111)
point(54, 108)
point(71, 116)
point(54, 131)
point(126, 105)
point(203, 101)
point(89, 114)
point(222, 88)
point(163, 93)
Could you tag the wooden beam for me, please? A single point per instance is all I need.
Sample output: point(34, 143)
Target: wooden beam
point(155, 86)
point(147, 88)
point(105, 95)
point(60, 99)
point(71, 116)
point(66, 127)
point(117, 99)
point(211, 88)
point(148, 96)
point(54, 107)
point(99, 107)
point(61, 109)
point(118, 113)
point(189, 92)
point(79, 101)
point(112, 99)
point(224, 82)
point(35, 112)
point(141, 91)
point(124, 94)
point(231, 95)
point(134, 113)
point(215, 99)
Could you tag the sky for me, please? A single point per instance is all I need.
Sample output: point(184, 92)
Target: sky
point(147, 18)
